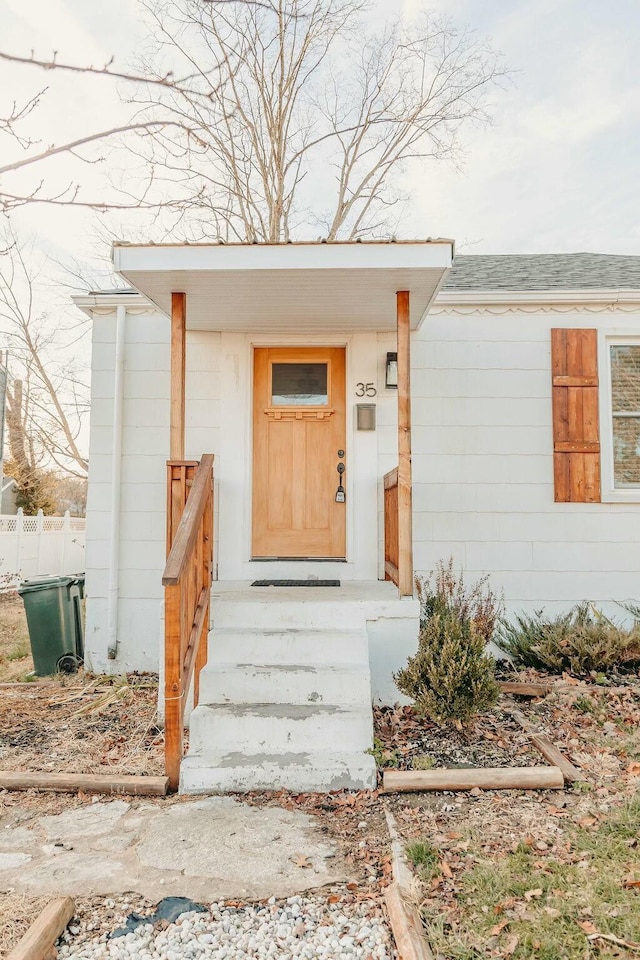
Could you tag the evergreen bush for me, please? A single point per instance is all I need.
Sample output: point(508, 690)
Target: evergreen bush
point(451, 677)
point(580, 642)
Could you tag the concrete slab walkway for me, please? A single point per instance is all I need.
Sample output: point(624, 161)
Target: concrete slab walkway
point(206, 849)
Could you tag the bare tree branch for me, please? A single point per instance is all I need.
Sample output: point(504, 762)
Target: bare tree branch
point(46, 400)
point(82, 141)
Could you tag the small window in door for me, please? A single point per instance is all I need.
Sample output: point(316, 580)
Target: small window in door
point(299, 384)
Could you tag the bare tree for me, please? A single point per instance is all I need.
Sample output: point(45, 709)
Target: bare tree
point(46, 397)
point(34, 156)
point(33, 482)
point(258, 118)
point(301, 116)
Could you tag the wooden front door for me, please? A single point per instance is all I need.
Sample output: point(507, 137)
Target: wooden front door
point(299, 426)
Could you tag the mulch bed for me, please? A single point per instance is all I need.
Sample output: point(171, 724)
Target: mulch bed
point(495, 740)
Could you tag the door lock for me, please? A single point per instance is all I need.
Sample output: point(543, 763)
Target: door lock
point(340, 494)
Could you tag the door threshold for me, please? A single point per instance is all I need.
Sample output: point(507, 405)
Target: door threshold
point(296, 583)
point(298, 559)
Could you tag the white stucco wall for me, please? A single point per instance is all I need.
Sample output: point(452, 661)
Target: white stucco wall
point(483, 464)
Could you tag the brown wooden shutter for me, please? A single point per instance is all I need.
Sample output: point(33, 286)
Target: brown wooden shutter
point(576, 435)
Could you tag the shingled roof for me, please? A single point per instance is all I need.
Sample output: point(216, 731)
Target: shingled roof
point(544, 271)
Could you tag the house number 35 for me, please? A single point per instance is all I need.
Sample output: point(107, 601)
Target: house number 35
point(365, 390)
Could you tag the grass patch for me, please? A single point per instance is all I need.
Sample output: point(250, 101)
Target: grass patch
point(423, 856)
point(17, 913)
point(19, 651)
point(527, 905)
point(585, 705)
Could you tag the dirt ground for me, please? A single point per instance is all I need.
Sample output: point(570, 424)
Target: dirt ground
point(550, 875)
point(82, 724)
point(72, 723)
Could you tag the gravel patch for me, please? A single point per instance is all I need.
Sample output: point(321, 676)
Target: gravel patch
point(308, 928)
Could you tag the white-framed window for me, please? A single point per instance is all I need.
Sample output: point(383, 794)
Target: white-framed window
point(619, 362)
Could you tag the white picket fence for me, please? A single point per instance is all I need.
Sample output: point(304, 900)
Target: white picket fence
point(38, 546)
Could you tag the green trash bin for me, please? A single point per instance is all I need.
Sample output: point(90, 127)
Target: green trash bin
point(53, 606)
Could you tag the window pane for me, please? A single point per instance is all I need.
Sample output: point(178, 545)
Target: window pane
point(625, 378)
point(626, 451)
point(299, 384)
point(625, 405)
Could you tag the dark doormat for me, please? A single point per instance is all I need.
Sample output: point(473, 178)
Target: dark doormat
point(295, 583)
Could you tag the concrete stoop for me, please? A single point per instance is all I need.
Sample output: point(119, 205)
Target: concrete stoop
point(285, 701)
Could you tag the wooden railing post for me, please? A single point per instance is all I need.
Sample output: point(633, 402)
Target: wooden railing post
point(405, 519)
point(173, 692)
point(187, 582)
point(178, 367)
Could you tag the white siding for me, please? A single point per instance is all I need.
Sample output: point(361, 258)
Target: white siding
point(483, 466)
point(482, 469)
point(145, 446)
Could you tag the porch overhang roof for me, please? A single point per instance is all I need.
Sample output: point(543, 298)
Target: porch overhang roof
point(289, 287)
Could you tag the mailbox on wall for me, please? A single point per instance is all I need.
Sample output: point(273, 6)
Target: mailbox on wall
point(365, 416)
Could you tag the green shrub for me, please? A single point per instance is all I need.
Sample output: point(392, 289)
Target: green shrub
point(581, 641)
point(451, 677)
point(382, 755)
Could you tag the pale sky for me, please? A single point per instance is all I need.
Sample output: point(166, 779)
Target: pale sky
point(556, 172)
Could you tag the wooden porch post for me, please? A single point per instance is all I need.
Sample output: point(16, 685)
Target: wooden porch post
point(405, 531)
point(178, 354)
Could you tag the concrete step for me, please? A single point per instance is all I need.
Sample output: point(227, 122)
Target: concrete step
point(285, 698)
point(279, 728)
point(299, 646)
point(287, 614)
point(245, 683)
point(322, 771)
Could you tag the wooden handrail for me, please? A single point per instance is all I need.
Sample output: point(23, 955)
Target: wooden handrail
point(187, 595)
point(187, 532)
